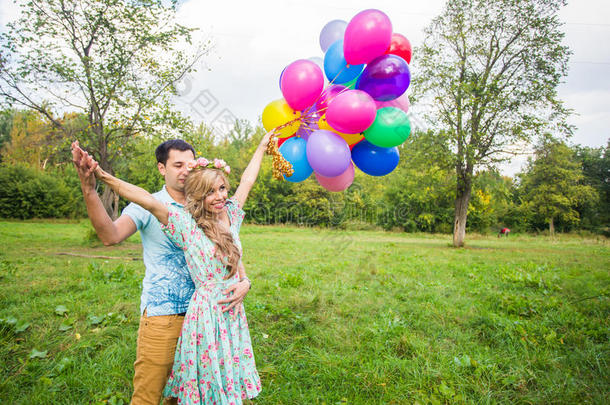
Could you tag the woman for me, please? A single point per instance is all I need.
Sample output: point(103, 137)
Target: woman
point(214, 363)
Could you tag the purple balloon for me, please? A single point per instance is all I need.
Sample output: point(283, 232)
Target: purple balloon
point(386, 78)
point(327, 153)
point(309, 125)
point(281, 74)
point(332, 31)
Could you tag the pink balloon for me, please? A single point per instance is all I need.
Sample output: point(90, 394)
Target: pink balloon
point(367, 36)
point(351, 112)
point(339, 183)
point(302, 82)
point(401, 102)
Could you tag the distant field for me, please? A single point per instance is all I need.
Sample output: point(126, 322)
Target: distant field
point(336, 317)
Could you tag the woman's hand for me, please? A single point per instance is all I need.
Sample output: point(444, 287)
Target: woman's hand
point(239, 290)
point(265, 140)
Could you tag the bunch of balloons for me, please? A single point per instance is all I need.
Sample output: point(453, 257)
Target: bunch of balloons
point(359, 118)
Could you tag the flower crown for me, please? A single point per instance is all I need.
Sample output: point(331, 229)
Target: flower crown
point(206, 164)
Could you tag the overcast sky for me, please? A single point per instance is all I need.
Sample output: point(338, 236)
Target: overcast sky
point(255, 40)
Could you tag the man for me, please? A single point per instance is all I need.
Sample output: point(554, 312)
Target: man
point(504, 231)
point(167, 287)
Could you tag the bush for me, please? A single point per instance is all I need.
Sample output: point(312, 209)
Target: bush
point(29, 193)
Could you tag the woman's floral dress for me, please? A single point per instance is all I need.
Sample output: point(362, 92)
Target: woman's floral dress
point(214, 363)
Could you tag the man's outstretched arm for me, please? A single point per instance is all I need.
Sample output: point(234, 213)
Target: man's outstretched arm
point(109, 232)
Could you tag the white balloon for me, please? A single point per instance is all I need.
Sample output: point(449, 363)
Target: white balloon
point(332, 31)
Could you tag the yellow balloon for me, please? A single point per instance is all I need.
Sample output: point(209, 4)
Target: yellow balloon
point(349, 138)
point(278, 113)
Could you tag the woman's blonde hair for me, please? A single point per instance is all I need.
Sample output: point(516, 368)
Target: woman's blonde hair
point(197, 186)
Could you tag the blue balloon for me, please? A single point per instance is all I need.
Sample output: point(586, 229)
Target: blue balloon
point(374, 160)
point(294, 150)
point(335, 66)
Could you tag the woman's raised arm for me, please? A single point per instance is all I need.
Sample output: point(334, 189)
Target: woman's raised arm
point(251, 173)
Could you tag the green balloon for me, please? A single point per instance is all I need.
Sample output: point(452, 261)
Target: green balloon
point(390, 128)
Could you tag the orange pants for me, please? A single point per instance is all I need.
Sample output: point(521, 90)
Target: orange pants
point(157, 338)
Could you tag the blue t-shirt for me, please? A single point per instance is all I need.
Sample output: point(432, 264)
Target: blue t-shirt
point(167, 287)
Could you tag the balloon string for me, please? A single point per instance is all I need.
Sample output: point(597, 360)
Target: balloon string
point(330, 83)
point(287, 124)
point(325, 108)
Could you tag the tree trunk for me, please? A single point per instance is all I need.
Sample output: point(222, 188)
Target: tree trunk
point(551, 227)
point(462, 198)
point(110, 200)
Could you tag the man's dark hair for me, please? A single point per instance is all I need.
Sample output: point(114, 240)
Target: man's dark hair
point(162, 151)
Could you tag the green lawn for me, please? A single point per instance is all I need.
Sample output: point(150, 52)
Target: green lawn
point(336, 317)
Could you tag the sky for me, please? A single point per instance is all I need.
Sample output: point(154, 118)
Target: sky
point(254, 40)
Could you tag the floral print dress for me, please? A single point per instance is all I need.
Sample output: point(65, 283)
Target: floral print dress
point(214, 363)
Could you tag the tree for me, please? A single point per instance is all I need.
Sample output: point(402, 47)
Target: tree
point(28, 140)
point(595, 164)
point(489, 71)
point(6, 126)
point(114, 61)
point(552, 185)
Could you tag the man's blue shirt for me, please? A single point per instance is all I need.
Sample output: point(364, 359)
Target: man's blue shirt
point(167, 287)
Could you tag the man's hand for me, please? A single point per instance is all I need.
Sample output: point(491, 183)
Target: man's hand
point(85, 166)
point(239, 290)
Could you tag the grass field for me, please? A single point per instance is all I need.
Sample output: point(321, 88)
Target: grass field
point(336, 317)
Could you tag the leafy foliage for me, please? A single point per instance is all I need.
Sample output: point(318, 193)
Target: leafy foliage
point(6, 126)
point(112, 61)
point(29, 193)
point(32, 141)
point(595, 164)
point(418, 196)
point(552, 186)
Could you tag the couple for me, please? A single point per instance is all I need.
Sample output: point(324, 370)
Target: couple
point(192, 326)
